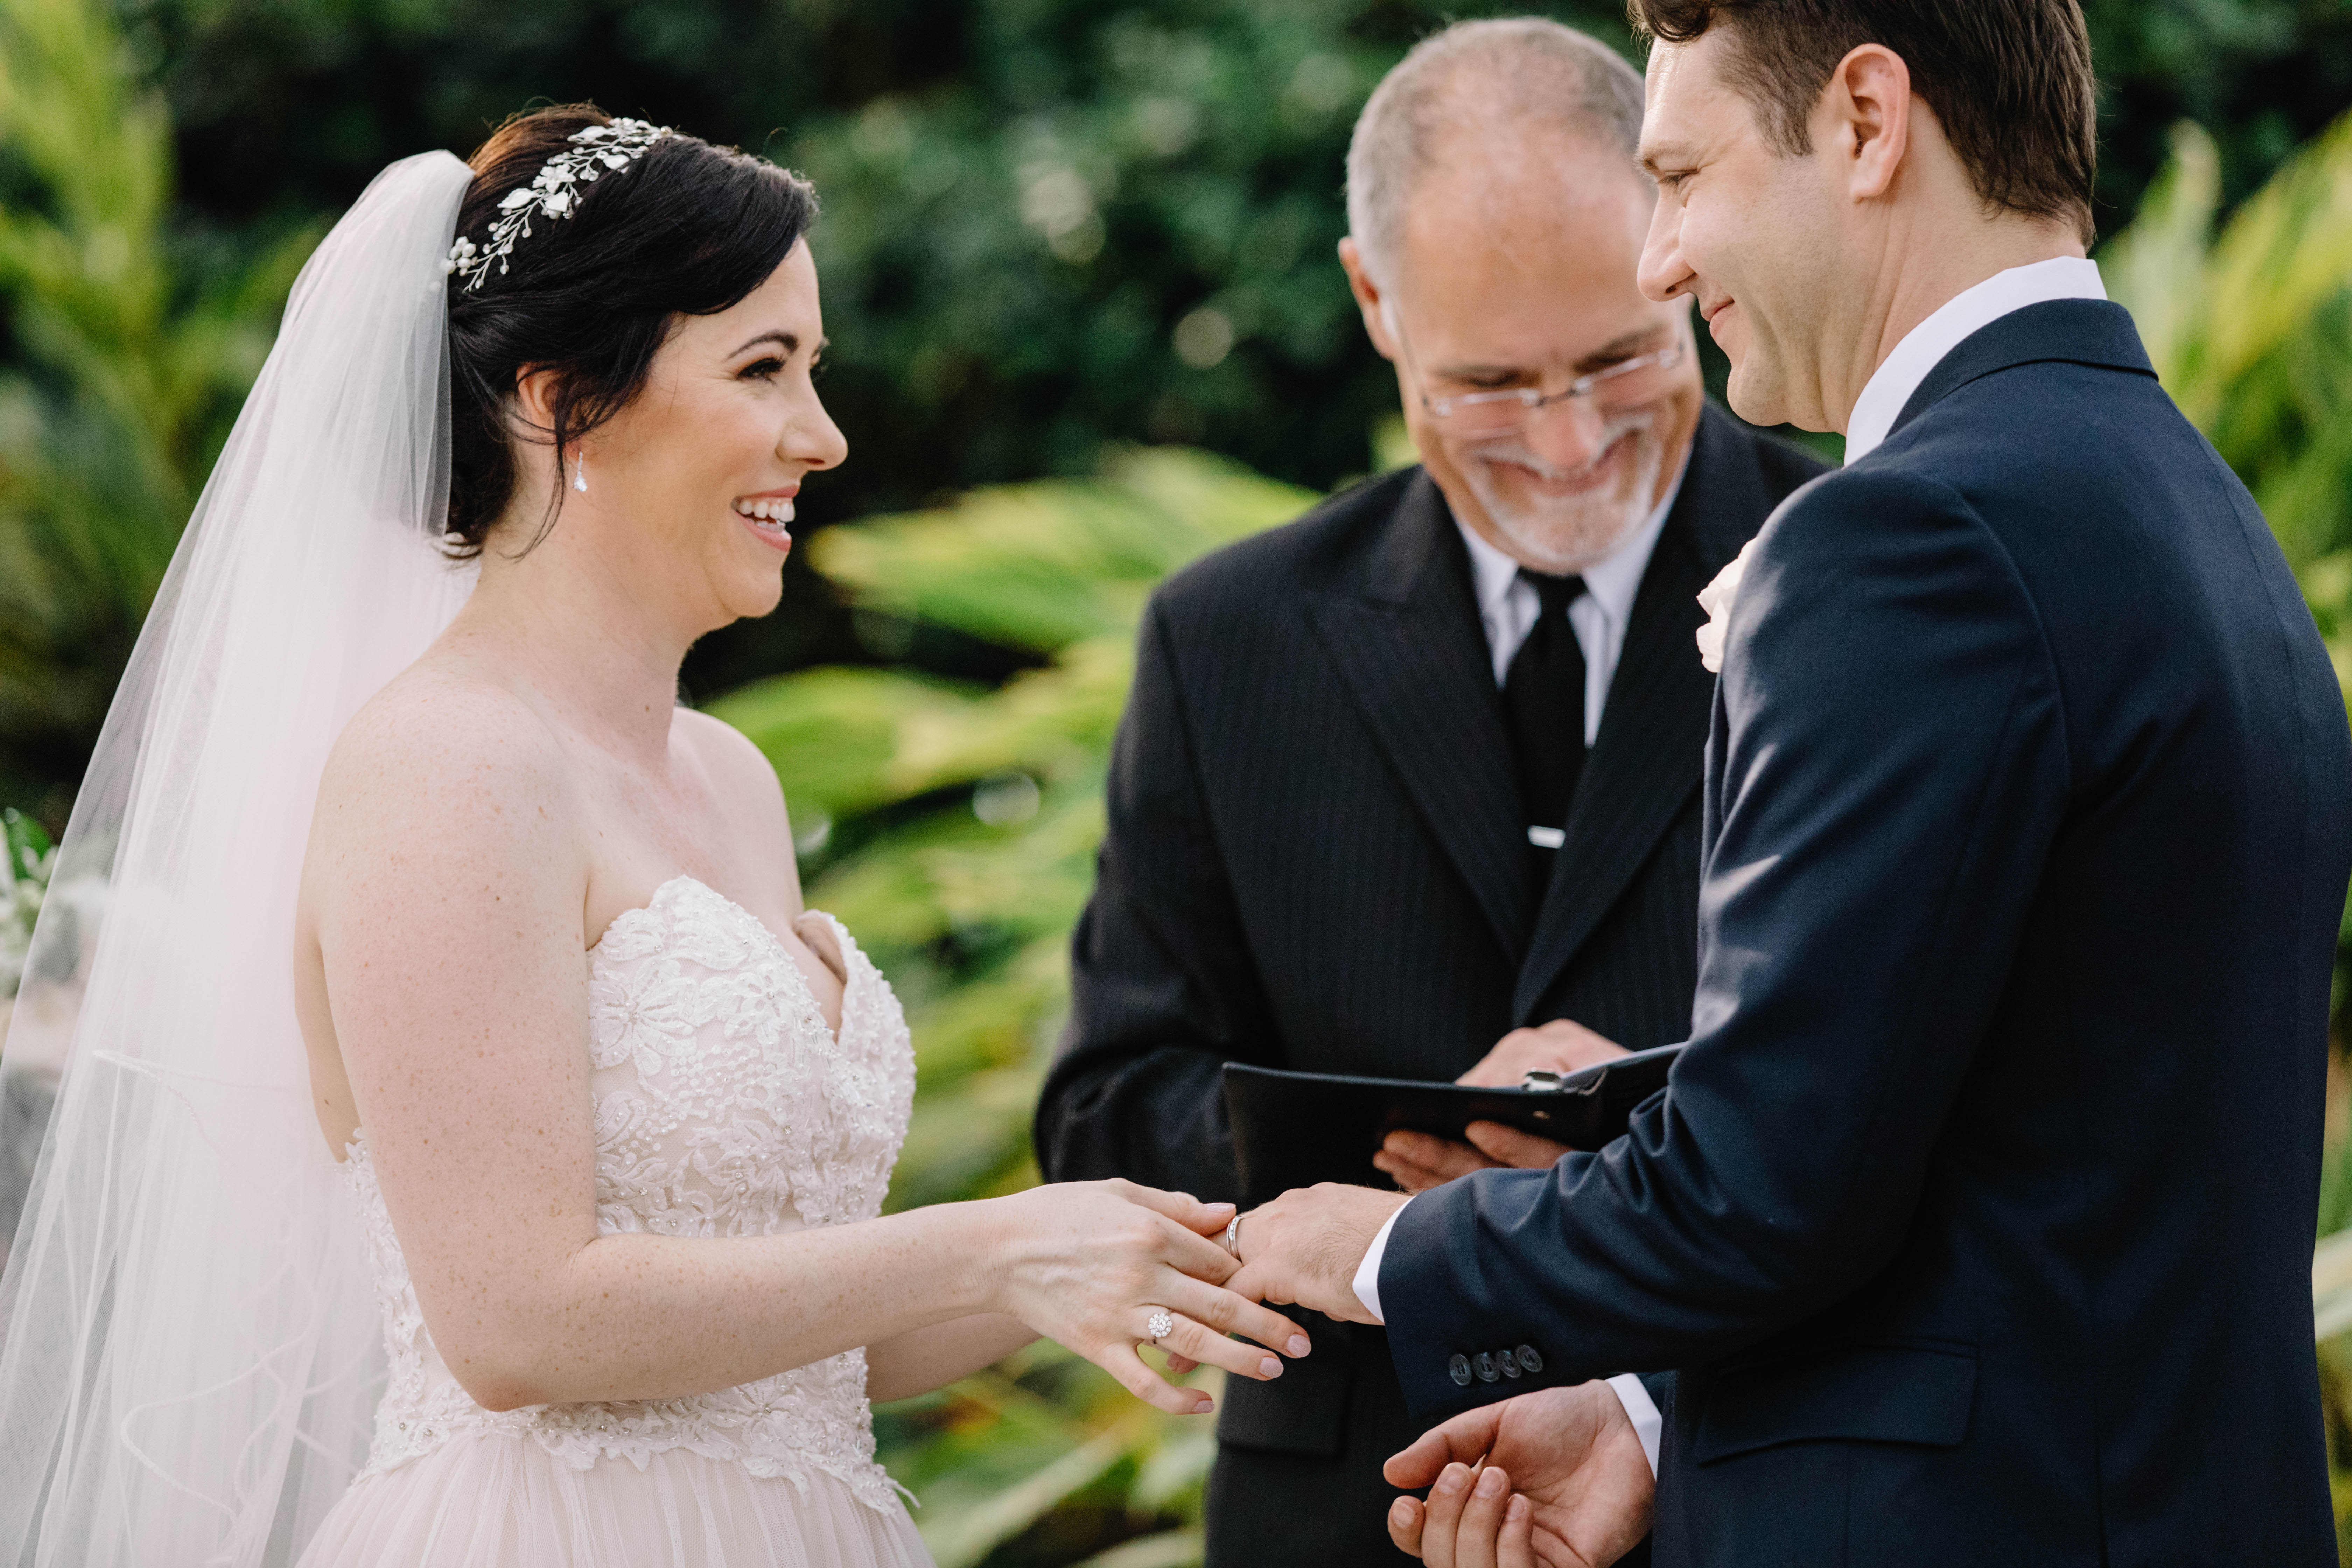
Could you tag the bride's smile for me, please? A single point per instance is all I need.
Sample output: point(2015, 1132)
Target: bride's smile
point(690, 489)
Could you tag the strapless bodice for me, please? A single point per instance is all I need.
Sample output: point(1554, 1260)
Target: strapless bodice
point(724, 1107)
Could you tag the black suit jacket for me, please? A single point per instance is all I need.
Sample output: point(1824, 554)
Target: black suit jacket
point(1316, 858)
point(1978, 1217)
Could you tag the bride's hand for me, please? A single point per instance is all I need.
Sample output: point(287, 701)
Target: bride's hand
point(1087, 1264)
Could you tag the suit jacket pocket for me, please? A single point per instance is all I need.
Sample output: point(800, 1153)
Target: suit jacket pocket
point(1871, 1394)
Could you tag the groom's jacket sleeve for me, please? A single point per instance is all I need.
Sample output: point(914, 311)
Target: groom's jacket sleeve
point(1165, 989)
point(1889, 770)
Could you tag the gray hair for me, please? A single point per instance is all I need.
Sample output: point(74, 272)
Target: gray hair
point(1514, 71)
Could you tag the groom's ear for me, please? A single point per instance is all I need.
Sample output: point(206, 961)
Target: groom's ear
point(1369, 298)
point(1863, 119)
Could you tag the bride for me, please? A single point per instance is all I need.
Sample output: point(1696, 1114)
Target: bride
point(453, 990)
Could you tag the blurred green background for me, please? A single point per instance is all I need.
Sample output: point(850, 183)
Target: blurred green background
point(1087, 324)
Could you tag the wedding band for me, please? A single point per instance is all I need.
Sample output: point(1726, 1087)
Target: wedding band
point(1163, 1324)
point(1233, 1236)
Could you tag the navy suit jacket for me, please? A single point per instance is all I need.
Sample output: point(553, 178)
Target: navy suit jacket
point(1978, 1217)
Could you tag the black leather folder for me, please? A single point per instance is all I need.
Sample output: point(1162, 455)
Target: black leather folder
point(1296, 1129)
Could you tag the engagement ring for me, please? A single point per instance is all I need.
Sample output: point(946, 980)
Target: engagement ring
point(1233, 1236)
point(1163, 1324)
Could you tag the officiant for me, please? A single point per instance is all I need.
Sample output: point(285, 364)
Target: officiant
point(1410, 788)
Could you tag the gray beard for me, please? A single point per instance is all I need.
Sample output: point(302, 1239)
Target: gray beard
point(1579, 531)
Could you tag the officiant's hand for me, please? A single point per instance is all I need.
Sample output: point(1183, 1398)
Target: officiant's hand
point(1418, 1161)
point(1305, 1246)
point(1562, 1046)
point(1570, 1453)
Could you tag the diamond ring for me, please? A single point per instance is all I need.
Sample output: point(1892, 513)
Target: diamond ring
point(1163, 1324)
point(1233, 1236)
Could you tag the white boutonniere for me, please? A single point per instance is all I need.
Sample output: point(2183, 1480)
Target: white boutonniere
point(1715, 600)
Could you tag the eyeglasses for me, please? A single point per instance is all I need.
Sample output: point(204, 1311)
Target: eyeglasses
point(1474, 413)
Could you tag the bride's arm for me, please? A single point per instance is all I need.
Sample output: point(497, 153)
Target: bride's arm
point(933, 1358)
point(446, 882)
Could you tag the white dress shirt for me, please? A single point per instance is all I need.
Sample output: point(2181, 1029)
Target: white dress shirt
point(1874, 413)
point(1966, 315)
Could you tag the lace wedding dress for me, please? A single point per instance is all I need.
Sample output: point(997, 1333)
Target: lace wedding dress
point(724, 1107)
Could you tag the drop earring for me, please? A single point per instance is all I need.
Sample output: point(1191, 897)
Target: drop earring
point(580, 472)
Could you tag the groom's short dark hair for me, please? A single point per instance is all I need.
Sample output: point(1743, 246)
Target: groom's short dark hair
point(2010, 80)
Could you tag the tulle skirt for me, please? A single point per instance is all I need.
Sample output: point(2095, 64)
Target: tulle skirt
point(497, 1499)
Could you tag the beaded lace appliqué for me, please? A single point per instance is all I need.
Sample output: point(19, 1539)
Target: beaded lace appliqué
point(724, 1107)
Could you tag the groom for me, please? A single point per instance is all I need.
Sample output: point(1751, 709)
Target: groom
point(1978, 1216)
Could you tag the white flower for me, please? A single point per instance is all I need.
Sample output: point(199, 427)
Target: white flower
point(1715, 600)
point(646, 1015)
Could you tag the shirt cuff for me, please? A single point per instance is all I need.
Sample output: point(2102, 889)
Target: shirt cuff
point(1368, 1272)
point(1640, 1409)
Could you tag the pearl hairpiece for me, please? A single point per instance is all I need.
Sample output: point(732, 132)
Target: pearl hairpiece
point(552, 193)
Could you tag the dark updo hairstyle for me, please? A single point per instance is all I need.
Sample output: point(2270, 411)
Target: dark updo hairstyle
point(687, 229)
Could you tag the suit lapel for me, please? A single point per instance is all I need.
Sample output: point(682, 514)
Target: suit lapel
point(1409, 643)
point(1646, 760)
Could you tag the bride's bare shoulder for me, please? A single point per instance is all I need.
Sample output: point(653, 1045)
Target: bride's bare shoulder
point(736, 766)
point(445, 748)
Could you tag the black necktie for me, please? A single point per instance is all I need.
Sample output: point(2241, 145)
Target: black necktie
point(1543, 706)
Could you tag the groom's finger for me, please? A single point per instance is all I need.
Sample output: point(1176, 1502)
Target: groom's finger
point(1441, 1515)
point(1517, 1547)
point(1478, 1536)
point(1405, 1525)
point(1467, 1438)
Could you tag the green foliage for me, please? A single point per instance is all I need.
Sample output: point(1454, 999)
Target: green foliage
point(26, 858)
point(2251, 330)
point(1049, 224)
point(121, 379)
point(2262, 76)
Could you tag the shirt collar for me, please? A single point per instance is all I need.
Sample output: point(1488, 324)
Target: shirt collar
point(1613, 582)
point(1963, 316)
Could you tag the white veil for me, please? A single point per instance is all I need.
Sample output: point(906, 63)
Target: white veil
point(188, 1344)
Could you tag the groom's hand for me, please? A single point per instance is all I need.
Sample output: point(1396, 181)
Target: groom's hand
point(1571, 1452)
point(1304, 1247)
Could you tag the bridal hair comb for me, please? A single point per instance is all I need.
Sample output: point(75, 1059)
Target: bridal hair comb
point(552, 193)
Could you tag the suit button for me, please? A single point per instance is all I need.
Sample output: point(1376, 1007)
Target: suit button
point(1509, 1363)
point(1485, 1365)
point(1458, 1369)
point(1529, 1360)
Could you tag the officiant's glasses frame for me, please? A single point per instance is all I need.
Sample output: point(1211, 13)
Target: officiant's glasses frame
point(1486, 416)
